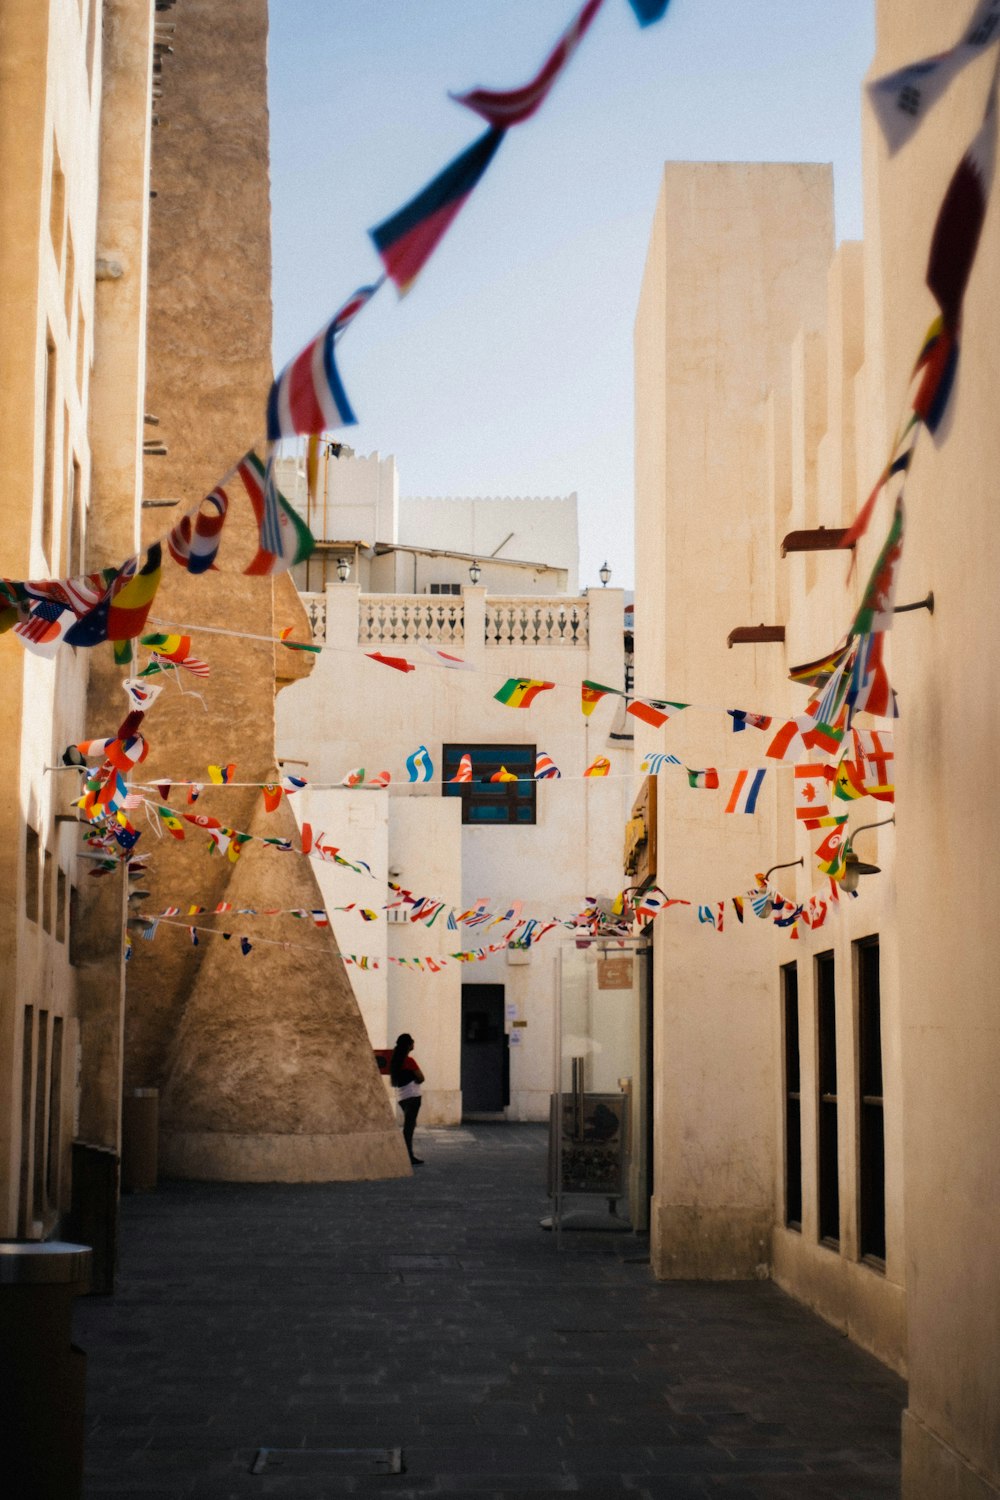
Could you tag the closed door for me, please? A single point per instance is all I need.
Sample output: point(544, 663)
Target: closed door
point(485, 1088)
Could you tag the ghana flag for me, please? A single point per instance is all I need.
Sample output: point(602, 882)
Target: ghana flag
point(521, 692)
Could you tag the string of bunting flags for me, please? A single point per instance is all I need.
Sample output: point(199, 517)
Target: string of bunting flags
point(307, 398)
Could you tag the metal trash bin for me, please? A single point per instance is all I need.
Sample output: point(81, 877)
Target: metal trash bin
point(140, 1140)
point(42, 1373)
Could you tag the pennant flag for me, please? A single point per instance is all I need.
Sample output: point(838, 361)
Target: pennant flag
point(308, 397)
point(172, 821)
point(591, 694)
point(746, 790)
point(283, 635)
point(398, 662)
point(831, 851)
point(653, 710)
point(355, 777)
point(503, 775)
point(140, 694)
point(513, 106)
point(874, 754)
point(713, 915)
point(741, 718)
point(320, 917)
point(738, 907)
point(653, 764)
point(221, 775)
point(201, 820)
point(285, 539)
point(648, 11)
point(649, 904)
point(419, 766)
point(446, 659)
point(464, 772)
point(521, 692)
point(406, 240)
point(952, 254)
point(195, 545)
point(164, 788)
point(132, 597)
point(293, 784)
point(812, 794)
point(272, 797)
point(849, 782)
point(903, 98)
point(175, 648)
point(599, 767)
point(876, 611)
point(245, 946)
point(788, 744)
point(708, 779)
point(193, 935)
point(545, 768)
point(194, 791)
point(379, 781)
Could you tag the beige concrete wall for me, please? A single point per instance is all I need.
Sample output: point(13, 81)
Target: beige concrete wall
point(250, 1089)
point(948, 816)
point(737, 265)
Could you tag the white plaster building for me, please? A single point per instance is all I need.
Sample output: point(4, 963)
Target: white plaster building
point(544, 844)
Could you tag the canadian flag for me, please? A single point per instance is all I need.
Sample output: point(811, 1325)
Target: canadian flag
point(812, 794)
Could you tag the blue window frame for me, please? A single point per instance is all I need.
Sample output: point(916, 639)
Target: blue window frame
point(492, 802)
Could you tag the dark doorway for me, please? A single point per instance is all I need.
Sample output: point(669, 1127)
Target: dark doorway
point(485, 1065)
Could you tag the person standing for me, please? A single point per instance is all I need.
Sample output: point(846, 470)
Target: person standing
point(406, 1078)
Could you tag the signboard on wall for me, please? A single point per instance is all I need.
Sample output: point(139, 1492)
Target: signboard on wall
point(614, 971)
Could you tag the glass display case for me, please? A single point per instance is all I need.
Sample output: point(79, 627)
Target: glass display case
point(599, 1119)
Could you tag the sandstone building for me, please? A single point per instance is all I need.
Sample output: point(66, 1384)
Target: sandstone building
point(825, 1107)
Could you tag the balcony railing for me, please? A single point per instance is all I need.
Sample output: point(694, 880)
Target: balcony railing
point(315, 608)
point(399, 619)
point(537, 622)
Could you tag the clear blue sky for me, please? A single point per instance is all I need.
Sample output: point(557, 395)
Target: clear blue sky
point(507, 370)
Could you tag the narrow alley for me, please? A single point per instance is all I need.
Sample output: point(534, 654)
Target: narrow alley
point(424, 1337)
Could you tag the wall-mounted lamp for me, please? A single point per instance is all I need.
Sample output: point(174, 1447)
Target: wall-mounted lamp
point(790, 865)
point(343, 569)
point(604, 575)
point(854, 867)
point(475, 573)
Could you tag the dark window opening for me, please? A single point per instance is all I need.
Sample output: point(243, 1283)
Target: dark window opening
point(871, 1125)
point(492, 802)
point(829, 1166)
point(793, 1104)
point(446, 588)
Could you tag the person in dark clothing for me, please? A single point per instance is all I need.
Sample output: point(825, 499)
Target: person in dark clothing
point(406, 1078)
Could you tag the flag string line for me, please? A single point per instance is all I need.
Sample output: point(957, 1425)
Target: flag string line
point(714, 708)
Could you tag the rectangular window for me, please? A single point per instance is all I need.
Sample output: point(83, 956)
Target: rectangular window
point(24, 1181)
point(60, 906)
point(41, 1115)
point(487, 801)
point(53, 1145)
point(31, 858)
point(826, 1072)
point(871, 1125)
point(57, 206)
point(47, 891)
point(446, 588)
point(49, 469)
point(793, 1106)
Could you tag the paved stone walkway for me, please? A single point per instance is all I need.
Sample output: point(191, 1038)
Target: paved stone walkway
point(433, 1322)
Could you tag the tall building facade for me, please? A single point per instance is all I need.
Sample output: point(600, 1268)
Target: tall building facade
point(75, 97)
point(825, 1109)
